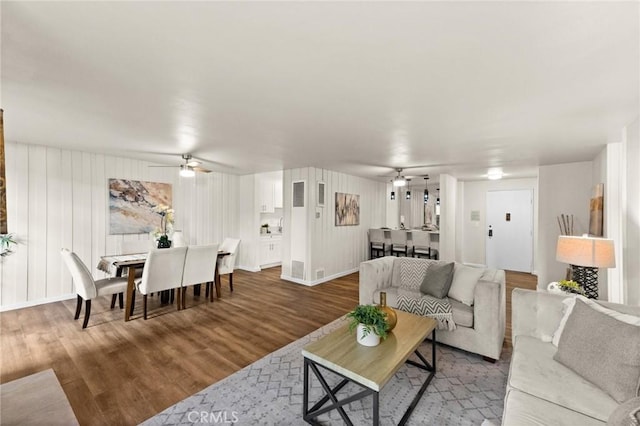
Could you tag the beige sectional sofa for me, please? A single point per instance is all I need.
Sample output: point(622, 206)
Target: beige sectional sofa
point(480, 327)
point(540, 390)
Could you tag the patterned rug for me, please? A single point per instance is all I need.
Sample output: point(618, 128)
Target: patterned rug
point(465, 391)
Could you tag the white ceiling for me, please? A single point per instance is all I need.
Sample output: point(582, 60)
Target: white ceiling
point(356, 87)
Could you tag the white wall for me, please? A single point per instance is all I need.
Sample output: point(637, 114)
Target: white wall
point(632, 223)
point(58, 198)
point(562, 188)
point(334, 250)
point(448, 217)
point(474, 233)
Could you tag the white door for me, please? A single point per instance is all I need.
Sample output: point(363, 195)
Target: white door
point(509, 232)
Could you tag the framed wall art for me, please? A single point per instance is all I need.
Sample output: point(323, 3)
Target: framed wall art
point(347, 209)
point(132, 204)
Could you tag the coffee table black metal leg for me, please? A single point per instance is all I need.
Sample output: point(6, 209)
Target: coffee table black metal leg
point(376, 408)
point(305, 389)
point(431, 368)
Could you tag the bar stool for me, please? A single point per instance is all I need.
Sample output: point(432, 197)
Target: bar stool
point(421, 244)
point(377, 244)
point(399, 242)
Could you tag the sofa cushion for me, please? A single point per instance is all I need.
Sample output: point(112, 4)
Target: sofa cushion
point(603, 350)
point(462, 314)
point(569, 303)
point(408, 272)
point(437, 280)
point(464, 282)
point(522, 409)
point(534, 371)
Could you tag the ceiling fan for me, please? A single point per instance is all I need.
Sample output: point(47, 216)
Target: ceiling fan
point(190, 166)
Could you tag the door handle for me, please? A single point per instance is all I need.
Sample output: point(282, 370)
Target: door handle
point(490, 232)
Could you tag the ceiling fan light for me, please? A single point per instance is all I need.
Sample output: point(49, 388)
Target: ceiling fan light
point(186, 171)
point(399, 181)
point(494, 174)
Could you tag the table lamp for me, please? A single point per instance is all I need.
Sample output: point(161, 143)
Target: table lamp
point(585, 255)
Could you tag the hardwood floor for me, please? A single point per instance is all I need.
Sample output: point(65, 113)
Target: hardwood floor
point(123, 373)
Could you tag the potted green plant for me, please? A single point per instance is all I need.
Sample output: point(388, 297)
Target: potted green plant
point(370, 322)
point(570, 286)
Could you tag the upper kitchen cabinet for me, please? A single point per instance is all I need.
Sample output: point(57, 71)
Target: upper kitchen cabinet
point(269, 191)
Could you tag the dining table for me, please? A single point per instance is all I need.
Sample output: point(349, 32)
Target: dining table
point(116, 264)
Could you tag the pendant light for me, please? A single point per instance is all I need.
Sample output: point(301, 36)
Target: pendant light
point(426, 189)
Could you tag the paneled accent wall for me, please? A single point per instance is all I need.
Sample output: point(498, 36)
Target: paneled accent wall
point(58, 198)
point(332, 250)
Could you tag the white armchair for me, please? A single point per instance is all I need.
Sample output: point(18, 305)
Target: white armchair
point(87, 288)
point(228, 262)
point(162, 271)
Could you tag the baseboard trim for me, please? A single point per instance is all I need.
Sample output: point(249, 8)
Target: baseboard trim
point(321, 280)
point(31, 303)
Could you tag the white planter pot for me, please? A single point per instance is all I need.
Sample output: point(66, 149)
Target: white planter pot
point(371, 339)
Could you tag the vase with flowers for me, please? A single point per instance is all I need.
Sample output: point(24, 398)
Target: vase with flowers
point(166, 225)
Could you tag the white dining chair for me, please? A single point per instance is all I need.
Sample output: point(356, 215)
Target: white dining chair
point(162, 271)
point(228, 262)
point(199, 267)
point(135, 247)
point(87, 288)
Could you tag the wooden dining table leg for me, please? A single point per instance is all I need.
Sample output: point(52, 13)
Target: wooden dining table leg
point(131, 276)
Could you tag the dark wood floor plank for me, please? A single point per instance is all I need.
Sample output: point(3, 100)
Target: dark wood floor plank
point(122, 373)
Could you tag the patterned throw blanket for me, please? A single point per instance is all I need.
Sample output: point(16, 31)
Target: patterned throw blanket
point(438, 309)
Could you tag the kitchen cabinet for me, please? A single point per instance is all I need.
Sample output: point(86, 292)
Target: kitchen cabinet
point(267, 197)
point(269, 191)
point(270, 251)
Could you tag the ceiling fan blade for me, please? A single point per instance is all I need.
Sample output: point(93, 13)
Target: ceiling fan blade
point(202, 170)
point(193, 163)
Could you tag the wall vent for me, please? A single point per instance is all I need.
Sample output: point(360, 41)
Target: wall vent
point(319, 274)
point(321, 194)
point(297, 269)
point(298, 194)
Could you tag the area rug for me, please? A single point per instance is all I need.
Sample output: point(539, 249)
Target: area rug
point(465, 391)
point(37, 399)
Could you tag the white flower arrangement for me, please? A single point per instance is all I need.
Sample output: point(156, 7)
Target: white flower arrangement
point(166, 221)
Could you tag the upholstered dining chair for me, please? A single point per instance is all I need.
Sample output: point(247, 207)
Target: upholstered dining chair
point(135, 247)
point(378, 246)
point(399, 242)
point(228, 262)
point(87, 288)
point(199, 267)
point(162, 271)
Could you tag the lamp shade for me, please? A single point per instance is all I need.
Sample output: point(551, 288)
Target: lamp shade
point(586, 251)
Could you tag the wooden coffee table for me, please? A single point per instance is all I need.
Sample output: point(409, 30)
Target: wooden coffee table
point(369, 367)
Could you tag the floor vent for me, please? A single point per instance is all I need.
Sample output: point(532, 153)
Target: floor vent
point(297, 269)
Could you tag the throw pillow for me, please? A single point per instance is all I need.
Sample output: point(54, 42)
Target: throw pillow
point(437, 280)
point(627, 414)
point(602, 350)
point(569, 303)
point(463, 285)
